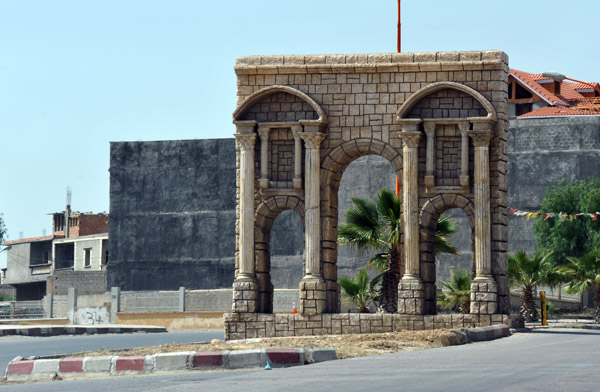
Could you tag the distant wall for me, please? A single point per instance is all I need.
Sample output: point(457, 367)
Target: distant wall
point(172, 214)
point(541, 153)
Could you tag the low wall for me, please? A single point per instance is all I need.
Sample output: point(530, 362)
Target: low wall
point(258, 325)
point(173, 320)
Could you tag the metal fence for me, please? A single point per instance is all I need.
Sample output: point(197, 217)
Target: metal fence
point(21, 309)
point(558, 293)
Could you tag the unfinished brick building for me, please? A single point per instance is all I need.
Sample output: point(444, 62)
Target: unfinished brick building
point(440, 119)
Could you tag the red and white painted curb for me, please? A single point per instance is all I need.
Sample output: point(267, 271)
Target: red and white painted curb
point(481, 334)
point(75, 330)
point(45, 369)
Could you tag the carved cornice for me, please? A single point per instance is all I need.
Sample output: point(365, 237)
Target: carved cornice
point(245, 141)
point(411, 139)
point(481, 138)
point(312, 139)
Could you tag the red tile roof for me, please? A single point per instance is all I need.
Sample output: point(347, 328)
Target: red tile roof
point(557, 111)
point(31, 239)
point(581, 86)
point(530, 82)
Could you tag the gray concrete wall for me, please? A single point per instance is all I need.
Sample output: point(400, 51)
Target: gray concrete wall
point(172, 214)
point(541, 153)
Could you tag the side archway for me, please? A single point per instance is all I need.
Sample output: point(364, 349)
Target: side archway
point(431, 211)
point(266, 214)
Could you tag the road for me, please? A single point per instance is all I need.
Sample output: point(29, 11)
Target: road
point(550, 360)
point(12, 346)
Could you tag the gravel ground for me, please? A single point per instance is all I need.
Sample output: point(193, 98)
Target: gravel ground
point(346, 346)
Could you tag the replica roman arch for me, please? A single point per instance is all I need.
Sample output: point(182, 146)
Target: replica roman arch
point(440, 119)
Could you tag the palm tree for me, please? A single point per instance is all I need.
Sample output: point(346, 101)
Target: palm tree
point(376, 226)
point(584, 274)
point(459, 292)
point(446, 227)
point(528, 273)
point(360, 291)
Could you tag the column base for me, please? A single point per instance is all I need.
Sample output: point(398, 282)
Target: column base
point(313, 293)
point(411, 295)
point(484, 299)
point(297, 183)
point(263, 183)
point(245, 295)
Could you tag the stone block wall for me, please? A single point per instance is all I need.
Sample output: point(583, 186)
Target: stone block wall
point(256, 325)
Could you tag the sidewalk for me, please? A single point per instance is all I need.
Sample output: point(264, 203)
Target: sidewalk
point(53, 330)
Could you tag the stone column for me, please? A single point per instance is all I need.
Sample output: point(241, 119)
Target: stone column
point(411, 290)
point(245, 289)
point(263, 132)
point(296, 129)
point(463, 127)
point(430, 154)
point(312, 286)
point(483, 288)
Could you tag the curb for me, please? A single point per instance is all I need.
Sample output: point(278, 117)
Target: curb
point(76, 330)
point(48, 369)
point(468, 335)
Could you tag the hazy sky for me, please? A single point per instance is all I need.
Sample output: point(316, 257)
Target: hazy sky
point(75, 75)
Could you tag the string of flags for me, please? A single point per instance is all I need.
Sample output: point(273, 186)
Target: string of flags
point(560, 215)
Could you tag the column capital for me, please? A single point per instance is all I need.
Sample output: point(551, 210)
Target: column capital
point(296, 129)
point(312, 139)
point(481, 138)
point(429, 128)
point(463, 127)
point(411, 139)
point(245, 141)
point(263, 132)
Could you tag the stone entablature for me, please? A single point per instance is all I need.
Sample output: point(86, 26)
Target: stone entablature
point(439, 118)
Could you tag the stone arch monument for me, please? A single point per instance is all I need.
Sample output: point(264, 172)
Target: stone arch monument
point(440, 119)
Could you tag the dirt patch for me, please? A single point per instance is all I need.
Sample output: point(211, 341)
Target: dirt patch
point(346, 346)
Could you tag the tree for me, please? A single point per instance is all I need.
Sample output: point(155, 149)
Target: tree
point(376, 226)
point(360, 291)
point(459, 292)
point(529, 272)
point(568, 238)
point(583, 273)
point(446, 227)
point(2, 229)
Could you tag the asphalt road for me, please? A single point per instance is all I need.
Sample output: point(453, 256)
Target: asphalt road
point(550, 360)
point(12, 346)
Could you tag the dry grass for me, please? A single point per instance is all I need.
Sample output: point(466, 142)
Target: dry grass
point(346, 346)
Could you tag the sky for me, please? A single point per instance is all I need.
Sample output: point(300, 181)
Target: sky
point(76, 75)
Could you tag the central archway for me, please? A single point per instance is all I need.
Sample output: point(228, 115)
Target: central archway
point(333, 167)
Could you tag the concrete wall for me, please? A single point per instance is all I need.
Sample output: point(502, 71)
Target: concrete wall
point(86, 282)
point(172, 214)
point(20, 257)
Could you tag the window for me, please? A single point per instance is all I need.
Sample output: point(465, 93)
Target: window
point(87, 263)
point(46, 257)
